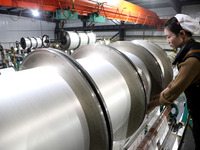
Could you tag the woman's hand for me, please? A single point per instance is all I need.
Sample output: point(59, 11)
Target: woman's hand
point(164, 90)
point(154, 102)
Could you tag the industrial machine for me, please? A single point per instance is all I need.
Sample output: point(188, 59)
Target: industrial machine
point(94, 99)
point(35, 42)
point(67, 40)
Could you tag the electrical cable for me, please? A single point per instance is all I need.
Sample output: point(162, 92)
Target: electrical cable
point(45, 16)
point(53, 16)
point(64, 13)
point(62, 10)
point(19, 14)
point(102, 7)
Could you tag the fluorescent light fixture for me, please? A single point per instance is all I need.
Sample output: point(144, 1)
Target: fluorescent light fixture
point(35, 12)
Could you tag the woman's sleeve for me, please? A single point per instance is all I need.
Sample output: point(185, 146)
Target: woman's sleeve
point(188, 71)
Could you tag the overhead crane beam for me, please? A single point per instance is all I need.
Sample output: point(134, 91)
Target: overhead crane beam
point(123, 10)
point(108, 27)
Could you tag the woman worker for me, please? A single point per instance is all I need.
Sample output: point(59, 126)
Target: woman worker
point(178, 31)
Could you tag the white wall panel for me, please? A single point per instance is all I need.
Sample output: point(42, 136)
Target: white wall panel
point(158, 33)
point(134, 32)
point(164, 13)
point(106, 34)
point(73, 23)
point(12, 31)
point(192, 10)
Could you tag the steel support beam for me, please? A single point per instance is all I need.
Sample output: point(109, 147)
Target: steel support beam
point(176, 5)
point(111, 27)
point(122, 32)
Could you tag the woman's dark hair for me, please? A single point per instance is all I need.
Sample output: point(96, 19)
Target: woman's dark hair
point(175, 27)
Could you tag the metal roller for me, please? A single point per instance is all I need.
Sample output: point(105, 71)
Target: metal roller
point(45, 115)
point(84, 39)
point(70, 40)
point(114, 74)
point(25, 43)
point(45, 41)
point(154, 79)
point(39, 42)
point(34, 43)
point(161, 58)
point(92, 37)
point(67, 69)
point(88, 101)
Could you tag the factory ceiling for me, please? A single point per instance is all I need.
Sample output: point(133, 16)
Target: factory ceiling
point(146, 4)
point(152, 4)
point(120, 10)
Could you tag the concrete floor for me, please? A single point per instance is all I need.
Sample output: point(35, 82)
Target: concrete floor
point(187, 143)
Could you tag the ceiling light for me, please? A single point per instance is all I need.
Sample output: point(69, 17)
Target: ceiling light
point(35, 12)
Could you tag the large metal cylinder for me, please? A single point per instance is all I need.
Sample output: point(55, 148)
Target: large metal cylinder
point(92, 99)
point(113, 75)
point(159, 72)
point(161, 58)
point(71, 72)
point(41, 113)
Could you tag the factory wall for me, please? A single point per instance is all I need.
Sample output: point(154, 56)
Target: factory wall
point(164, 13)
point(192, 10)
point(12, 31)
point(71, 23)
point(108, 34)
